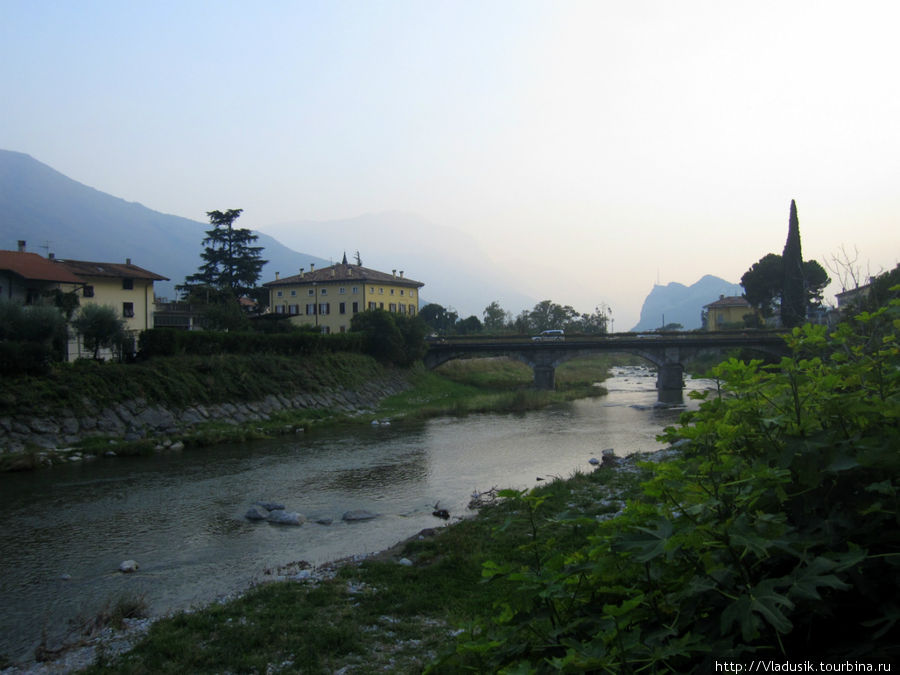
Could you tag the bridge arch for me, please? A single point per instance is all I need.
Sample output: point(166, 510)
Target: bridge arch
point(666, 352)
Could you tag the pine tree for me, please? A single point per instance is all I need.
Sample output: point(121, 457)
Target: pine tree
point(793, 298)
point(232, 266)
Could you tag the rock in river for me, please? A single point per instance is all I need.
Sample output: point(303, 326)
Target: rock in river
point(352, 516)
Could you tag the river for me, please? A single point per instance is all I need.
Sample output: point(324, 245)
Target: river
point(181, 515)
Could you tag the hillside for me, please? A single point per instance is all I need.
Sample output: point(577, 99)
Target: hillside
point(682, 304)
point(55, 214)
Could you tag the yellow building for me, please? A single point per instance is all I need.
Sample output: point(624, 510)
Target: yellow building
point(126, 288)
point(726, 312)
point(331, 296)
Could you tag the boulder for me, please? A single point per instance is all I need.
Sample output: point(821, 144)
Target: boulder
point(128, 566)
point(354, 516)
point(282, 517)
point(256, 512)
point(269, 506)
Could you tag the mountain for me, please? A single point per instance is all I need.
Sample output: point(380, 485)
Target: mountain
point(682, 304)
point(55, 214)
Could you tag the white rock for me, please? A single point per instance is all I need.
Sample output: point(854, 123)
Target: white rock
point(128, 566)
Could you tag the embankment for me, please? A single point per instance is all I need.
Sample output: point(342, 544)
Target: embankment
point(164, 400)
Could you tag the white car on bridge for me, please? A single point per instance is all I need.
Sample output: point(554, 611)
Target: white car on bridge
point(550, 336)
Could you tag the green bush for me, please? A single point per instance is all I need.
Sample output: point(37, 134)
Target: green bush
point(773, 535)
point(168, 342)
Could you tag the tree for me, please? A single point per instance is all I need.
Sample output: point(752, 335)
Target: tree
point(547, 315)
point(391, 338)
point(468, 326)
point(762, 284)
point(495, 317)
point(440, 319)
point(99, 327)
point(232, 266)
point(793, 296)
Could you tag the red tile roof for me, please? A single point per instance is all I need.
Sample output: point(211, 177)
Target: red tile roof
point(34, 267)
point(346, 273)
point(730, 301)
point(83, 268)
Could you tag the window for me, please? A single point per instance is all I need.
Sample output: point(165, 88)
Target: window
point(355, 290)
point(88, 291)
point(324, 291)
point(380, 305)
point(311, 309)
point(127, 284)
point(392, 307)
point(342, 291)
point(342, 308)
point(355, 308)
point(401, 291)
point(293, 309)
point(324, 308)
point(392, 291)
point(293, 292)
point(380, 291)
point(371, 305)
point(279, 294)
point(128, 309)
point(343, 329)
point(311, 291)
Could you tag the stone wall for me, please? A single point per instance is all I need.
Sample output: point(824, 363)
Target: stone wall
point(137, 419)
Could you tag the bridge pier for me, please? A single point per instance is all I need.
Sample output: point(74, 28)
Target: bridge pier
point(544, 377)
point(670, 383)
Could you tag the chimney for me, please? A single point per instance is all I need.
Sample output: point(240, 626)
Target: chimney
point(21, 246)
point(277, 274)
point(312, 267)
point(301, 272)
point(51, 256)
point(401, 274)
point(127, 261)
point(333, 271)
point(394, 272)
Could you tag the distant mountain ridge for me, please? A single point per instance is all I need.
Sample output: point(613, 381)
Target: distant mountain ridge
point(55, 214)
point(677, 303)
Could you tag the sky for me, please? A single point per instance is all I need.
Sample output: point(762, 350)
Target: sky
point(590, 149)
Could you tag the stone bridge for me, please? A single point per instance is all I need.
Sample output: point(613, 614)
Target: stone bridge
point(667, 351)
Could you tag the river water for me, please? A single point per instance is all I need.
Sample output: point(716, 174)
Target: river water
point(181, 516)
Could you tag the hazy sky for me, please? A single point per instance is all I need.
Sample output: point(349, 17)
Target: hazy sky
point(590, 148)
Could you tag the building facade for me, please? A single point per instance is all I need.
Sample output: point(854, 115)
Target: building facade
point(125, 287)
point(29, 278)
point(329, 297)
point(726, 312)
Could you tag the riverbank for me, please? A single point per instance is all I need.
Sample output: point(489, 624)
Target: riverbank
point(91, 411)
point(393, 611)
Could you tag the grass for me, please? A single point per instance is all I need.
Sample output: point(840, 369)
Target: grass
point(376, 615)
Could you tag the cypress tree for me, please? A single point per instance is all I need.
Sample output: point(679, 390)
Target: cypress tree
point(793, 295)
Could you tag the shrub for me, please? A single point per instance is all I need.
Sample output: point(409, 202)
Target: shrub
point(774, 535)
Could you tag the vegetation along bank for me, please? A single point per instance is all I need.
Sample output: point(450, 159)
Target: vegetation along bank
point(88, 409)
point(768, 532)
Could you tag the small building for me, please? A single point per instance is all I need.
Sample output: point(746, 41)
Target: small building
point(30, 279)
point(329, 297)
point(125, 287)
point(726, 312)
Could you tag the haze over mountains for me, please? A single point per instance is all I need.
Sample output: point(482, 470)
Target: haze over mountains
point(56, 214)
point(677, 303)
